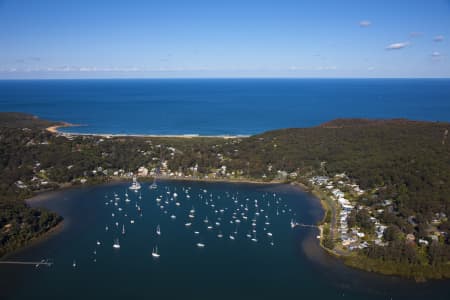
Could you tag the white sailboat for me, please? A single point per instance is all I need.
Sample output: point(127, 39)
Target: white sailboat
point(158, 230)
point(153, 186)
point(135, 185)
point(293, 224)
point(254, 239)
point(116, 244)
point(155, 253)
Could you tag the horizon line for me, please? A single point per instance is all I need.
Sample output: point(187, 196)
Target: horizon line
point(210, 78)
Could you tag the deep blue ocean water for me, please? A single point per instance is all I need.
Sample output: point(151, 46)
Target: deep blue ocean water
point(223, 106)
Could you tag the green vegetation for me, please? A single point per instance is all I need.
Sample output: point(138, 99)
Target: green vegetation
point(419, 272)
point(400, 162)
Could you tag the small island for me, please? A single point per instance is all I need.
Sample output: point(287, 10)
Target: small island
point(384, 184)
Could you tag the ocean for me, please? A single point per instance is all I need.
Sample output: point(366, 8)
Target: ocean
point(285, 264)
point(222, 106)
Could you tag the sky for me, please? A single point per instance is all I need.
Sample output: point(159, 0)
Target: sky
point(233, 38)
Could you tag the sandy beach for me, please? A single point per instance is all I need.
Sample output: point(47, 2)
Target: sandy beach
point(54, 129)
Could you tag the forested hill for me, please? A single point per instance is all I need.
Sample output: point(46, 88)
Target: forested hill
point(341, 123)
point(406, 160)
point(22, 120)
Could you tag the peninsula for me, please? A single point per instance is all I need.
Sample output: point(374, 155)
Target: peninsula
point(384, 184)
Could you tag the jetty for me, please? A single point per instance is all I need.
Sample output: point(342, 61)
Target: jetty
point(305, 225)
point(44, 262)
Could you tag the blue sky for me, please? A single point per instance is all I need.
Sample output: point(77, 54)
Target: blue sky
point(214, 38)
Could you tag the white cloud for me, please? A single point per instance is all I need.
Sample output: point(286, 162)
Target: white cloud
point(365, 23)
point(438, 38)
point(436, 55)
point(397, 46)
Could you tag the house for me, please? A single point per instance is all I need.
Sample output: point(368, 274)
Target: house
point(337, 193)
point(423, 242)
point(142, 171)
point(410, 237)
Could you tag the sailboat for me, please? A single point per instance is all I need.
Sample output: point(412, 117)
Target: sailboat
point(116, 244)
point(135, 185)
point(155, 253)
point(123, 229)
point(293, 224)
point(158, 230)
point(254, 238)
point(153, 186)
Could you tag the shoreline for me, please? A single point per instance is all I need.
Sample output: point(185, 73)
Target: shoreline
point(55, 130)
point(38, 239)
point(320, 223)
point(250, 181)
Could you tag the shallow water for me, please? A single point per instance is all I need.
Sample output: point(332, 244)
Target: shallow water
point(294, 266)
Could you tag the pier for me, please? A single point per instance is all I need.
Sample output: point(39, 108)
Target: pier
point(305, 225)
point(44, 262)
